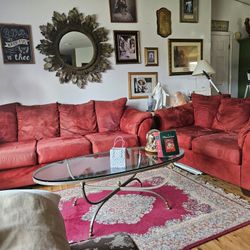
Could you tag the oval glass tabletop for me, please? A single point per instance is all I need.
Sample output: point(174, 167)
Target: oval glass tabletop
point(97, 166)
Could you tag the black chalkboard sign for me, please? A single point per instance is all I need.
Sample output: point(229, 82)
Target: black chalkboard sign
point(17, 43)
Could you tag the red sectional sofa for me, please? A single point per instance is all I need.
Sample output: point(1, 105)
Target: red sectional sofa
point(214, 131)
point(31, 136)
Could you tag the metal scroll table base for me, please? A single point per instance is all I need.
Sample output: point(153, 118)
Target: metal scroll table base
point(120, 187)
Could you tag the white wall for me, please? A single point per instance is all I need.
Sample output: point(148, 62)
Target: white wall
point(31, 84)
point(234, 12)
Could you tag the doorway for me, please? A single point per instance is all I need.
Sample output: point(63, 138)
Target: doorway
point(221, 61)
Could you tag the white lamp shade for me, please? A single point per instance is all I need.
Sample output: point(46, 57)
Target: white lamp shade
point(201, 66)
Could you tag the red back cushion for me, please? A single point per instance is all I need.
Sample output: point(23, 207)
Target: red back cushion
point(77, 119)
point(176, 117)
point(109, 113)
point(205, 109)
point(232, 115)
point(37, 122)
point(8, 123)
point(243, 133)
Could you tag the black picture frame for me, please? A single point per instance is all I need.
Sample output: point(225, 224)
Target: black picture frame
point(123, 11)
point(127, 49)
point(17, 44)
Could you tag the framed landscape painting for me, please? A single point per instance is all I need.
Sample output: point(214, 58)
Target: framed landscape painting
point(184, 55)
point(141, 84)
point(126, 46)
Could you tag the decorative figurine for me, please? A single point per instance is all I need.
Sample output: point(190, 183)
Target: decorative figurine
point(247, 25)
point(160, 96)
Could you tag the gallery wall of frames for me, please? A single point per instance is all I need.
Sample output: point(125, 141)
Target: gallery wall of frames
point(140, 32)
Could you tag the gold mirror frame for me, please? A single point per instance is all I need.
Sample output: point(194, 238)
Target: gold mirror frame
point(61, 25)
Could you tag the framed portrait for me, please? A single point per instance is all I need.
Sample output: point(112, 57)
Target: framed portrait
point(126, 46)
point(141, 84)
point(123, 11)
point(189, 11)
point(184, 55)
point(151, 56)
point(17, 45)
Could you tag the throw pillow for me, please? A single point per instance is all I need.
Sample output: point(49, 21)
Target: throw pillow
point(8, 123)
point(232, 115)
point(37, 122)
point(77, 119)
point(205, 109)
point(109, 113)
point(31, 221)
point(175, 117)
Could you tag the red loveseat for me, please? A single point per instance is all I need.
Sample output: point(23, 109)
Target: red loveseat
point(214, 131)
point(31, 136)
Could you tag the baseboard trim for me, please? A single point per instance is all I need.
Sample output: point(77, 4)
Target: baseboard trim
point(188, 168)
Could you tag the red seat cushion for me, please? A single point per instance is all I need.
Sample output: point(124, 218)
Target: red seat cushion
point(205, 109)
point(8, 123)
point(56, 149)
point(17, 177)
point(185, 135)
point(232, 115)
point(109, 113)
point(37, 122)
point(102, 142)
point(17, 154)
point(222, 146)
point(77, 119)
point(175, 117)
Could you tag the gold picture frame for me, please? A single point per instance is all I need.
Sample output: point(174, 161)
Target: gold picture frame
point(189, 10)
point(219, 25)
point(184, 55)
point(141, 84)
point(151, 56)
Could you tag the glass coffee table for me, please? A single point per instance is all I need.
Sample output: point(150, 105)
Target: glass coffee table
point(96, 167)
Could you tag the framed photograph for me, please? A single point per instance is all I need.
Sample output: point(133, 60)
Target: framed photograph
point(184, 55)
point(141, 84)
point(123, 11)
point(17, 45)
point(189, 11)
point(220, 25)
point(126, 46)
point(151, 56)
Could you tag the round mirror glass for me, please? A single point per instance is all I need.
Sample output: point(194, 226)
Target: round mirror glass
point(76, 49)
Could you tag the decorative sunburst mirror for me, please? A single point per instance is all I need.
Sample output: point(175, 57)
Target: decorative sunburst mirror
point(75, 47)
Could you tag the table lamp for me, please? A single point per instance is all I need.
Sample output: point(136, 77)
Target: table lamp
point(204, 68)
point(248, 84)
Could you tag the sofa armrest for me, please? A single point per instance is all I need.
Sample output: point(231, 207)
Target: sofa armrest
point(136, 122)
point(175, 117)
point(245, 168)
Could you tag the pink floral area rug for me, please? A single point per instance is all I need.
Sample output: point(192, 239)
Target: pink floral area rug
point(200, 212)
